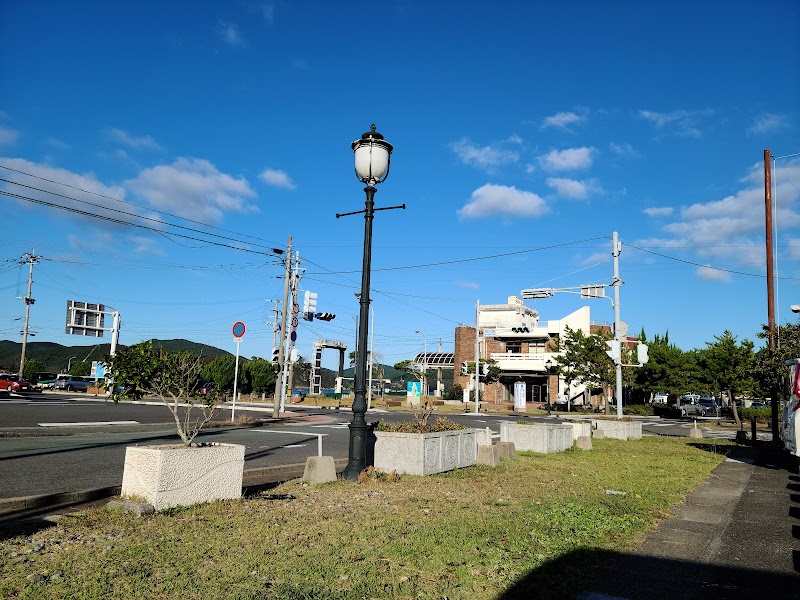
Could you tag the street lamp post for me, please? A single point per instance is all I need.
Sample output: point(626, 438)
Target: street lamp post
point(424, 381)
point(548, 365)
point(372, 154)
point(69, 364)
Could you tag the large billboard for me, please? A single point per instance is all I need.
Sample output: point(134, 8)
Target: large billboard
point(85, 319)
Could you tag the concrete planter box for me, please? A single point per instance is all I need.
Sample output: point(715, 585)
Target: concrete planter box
point(167, 476)
point(543, 438)
point(425, 453)
point(581, 429)
point(620, 430)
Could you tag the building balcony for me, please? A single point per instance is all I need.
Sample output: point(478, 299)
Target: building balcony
point(534, 363)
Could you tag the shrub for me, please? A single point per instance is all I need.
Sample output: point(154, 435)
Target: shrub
point(418, 426)
point(643, 410)
point(759, 414)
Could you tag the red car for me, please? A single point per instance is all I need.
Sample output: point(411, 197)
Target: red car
point(14, 383)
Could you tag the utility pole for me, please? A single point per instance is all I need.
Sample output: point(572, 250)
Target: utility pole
point(282, 336)
point(30, 260)
point(770, 288)
point(293, 335)
point(477, 356)
point(616, 281)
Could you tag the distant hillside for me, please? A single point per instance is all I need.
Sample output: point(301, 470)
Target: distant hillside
point(55, 357)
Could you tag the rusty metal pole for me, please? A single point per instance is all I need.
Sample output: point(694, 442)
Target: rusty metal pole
point(770, 286)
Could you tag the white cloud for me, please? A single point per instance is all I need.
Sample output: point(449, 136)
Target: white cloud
point(561, 120)
point(708, 273)
point(767, 123)
point(624, 150)
point(485, 157)
point(279, 179)
point(596, 258)
point(495, 200)
point(658, 211)
point(567, 160)
point(573, 189)
point(8, 136)
point(268, 12)
point(193, 188)
point(732, 228)
point(677, 122)
point(57, 144)
point(467, 285)
point(229, 34)
point(144, 142)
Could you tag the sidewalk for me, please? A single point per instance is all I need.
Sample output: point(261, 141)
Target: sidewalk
point(735, 537)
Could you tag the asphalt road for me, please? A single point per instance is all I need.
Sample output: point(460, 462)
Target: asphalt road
point(53, 442)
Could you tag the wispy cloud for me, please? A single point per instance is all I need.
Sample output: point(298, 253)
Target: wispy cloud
point(709, 273)
point(683, 123)
point(193, 188)
point(484, 157)
point(562, 120)
point(767, 123)
point(570, 159)
point(57, 144)
point(498, 200)
point(144, 142)
point(8, 136)
point(268, 12)
point(279, 179)
point(573, 189)
point(658, 211)
point(624, 150)
point(467, 285)
point(229, 33)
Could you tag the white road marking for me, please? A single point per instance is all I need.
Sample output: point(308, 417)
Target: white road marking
point(294, 446)
point(88, 423)
point(337, 426)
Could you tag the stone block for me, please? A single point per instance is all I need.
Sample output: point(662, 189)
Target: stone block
point(507, 450)
point(581, 428)
point(620, 430)
point(489, 455)
point(166, 476)
point(598, 434)
point(584, 442)
point(425, 453)
point(483, 436)
point(695, 433)
point(319, 469)
point(543, 438)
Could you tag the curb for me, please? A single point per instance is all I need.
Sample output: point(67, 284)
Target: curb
point(252, 478)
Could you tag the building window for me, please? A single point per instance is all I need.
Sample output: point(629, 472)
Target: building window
point(513, 347)
point(537, 346)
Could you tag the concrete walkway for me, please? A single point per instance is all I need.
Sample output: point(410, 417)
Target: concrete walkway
point(735, 537)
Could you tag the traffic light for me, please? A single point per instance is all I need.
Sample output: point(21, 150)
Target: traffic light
point(615, 353)
point(641, 354)
point(464, 368)
point(309, 305)
point(275, 353)
point(324, 316)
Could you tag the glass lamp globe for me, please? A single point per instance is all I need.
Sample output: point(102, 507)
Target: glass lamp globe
point(372, 155)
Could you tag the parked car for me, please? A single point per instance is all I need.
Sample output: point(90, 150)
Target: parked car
point(710, 407)
point(758, 404)
point(44, 381)
point(6, 385)
point(14, 383)
point(74, 383)
point(689, 404)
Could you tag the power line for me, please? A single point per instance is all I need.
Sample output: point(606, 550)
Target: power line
point(126, 202)
point(129, 224)
point(460, 260)
point(689, 262)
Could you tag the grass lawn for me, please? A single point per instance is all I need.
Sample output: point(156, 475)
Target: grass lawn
point(470, 533)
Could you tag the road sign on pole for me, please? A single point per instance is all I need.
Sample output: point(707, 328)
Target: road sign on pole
point(239, 329)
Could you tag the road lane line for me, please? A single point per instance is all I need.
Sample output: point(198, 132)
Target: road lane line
point(88, 423)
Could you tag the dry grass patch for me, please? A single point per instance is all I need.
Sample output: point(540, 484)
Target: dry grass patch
point(468, 533)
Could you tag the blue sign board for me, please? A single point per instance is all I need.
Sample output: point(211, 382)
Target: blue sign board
point(414, 388)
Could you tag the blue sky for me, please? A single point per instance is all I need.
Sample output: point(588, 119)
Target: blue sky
point(523, 131)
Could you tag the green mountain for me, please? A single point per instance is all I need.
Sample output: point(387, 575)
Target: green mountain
point(55, 357)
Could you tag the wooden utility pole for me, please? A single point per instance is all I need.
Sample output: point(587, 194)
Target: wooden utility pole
point(770, 287)
point(30, 260)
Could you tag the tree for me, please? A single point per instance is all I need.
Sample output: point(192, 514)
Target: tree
point(583, 360)
point(220, 371)
point(258, 374)
point(728, 366)
point(31, 367)
point(670, 370)
point(173, 377)
point(81, 369)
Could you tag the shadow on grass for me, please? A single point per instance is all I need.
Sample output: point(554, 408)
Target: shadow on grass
point(592, 574)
